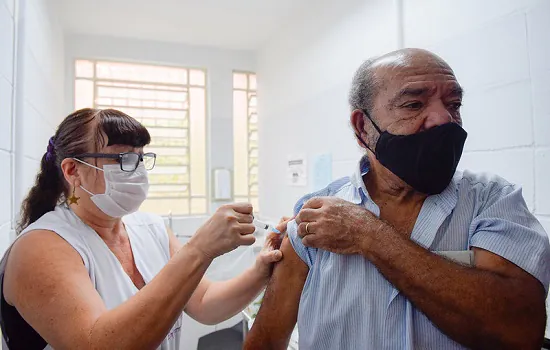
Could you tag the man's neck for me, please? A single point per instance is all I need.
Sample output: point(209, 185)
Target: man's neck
point(386, 188)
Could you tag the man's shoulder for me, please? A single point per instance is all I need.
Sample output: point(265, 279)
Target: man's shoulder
point(481, 181)
point(482, 189)
point(333, 189)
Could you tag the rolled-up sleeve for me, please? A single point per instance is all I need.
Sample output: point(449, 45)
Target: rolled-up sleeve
point(305, 253)
point(507, 228)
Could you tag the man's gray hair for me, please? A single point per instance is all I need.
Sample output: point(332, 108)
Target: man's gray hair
point(363, 87)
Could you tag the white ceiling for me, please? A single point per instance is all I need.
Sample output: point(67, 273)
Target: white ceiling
point(235, 24)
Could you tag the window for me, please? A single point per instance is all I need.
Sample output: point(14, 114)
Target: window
point(171, 103)
point(245, 138)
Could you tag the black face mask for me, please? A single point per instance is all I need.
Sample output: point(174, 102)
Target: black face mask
point(427, 160)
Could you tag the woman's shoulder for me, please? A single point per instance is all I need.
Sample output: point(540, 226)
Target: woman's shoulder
point(41, 241)
point(59, 226)
point(58, 219)
point(36, 251)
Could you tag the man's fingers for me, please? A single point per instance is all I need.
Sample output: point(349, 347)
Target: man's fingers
point(305, 229)
point(310, 241)
point(314, 203)
point(306, 215)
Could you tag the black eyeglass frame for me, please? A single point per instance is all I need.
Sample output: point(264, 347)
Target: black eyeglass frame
point(119, 156)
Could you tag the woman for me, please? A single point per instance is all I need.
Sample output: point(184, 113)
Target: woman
point(90, 272)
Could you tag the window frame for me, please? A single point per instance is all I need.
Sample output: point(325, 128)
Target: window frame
point(206, 87)
point(248, 91)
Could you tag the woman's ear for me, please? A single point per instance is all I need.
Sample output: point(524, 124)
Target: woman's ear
point(70, 171)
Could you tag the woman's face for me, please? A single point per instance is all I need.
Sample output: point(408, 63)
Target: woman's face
point(92, 179)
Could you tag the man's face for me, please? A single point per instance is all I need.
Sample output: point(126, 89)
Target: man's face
point(416, 96)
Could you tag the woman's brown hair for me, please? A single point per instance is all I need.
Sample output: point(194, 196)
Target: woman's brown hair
point(84, 131)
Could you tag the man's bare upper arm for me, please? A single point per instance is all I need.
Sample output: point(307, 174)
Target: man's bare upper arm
point(49, 285)
point(279, 311)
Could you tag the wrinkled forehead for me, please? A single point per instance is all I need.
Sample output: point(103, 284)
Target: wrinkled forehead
point(427, 73)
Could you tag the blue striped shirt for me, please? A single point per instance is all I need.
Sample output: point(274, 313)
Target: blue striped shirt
point(347, 304)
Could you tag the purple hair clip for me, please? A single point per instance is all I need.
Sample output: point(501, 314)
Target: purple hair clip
point(50, 152)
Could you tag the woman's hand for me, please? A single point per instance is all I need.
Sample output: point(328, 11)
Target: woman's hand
point(230, 226)
point(270, 252)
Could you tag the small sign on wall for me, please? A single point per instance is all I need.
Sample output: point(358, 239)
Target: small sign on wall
point(322, 171)
point(297, 170)
point(222, 184)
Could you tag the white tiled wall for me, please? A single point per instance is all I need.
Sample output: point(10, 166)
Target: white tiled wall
point(6, 40)
point(540, 90)
point(41, 100)
point(484, 109)
point(5, 189)
point(6, 90)
point(542, 181)
point(7, 25)
point(27, 124)
point(538, 29)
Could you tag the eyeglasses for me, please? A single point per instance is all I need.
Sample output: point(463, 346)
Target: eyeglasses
point(128, 161)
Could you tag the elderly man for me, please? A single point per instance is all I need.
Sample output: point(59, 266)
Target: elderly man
point(409, 253)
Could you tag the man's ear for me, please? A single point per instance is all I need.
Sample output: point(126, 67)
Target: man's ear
point(357, 120)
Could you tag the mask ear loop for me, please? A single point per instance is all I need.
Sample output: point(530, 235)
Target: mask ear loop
point(373, 124)
point(90, 165)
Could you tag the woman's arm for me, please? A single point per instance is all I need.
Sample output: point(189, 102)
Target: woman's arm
point(214, 302)
point(49, 285)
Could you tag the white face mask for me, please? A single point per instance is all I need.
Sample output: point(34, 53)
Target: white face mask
point(124, 191)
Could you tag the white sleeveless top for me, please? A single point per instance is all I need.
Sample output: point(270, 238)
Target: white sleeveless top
point(150, 246)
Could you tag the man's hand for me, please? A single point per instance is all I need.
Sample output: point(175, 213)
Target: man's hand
point(336, 225)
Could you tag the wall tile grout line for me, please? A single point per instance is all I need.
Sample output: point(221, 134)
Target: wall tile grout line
point(532, 119)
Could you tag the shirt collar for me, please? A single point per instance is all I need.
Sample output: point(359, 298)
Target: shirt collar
point(360, 190)
point(446, 199)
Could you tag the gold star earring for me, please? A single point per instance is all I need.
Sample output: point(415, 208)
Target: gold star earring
point(73, 199)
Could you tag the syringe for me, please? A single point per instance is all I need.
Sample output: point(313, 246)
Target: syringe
point(262, 225)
